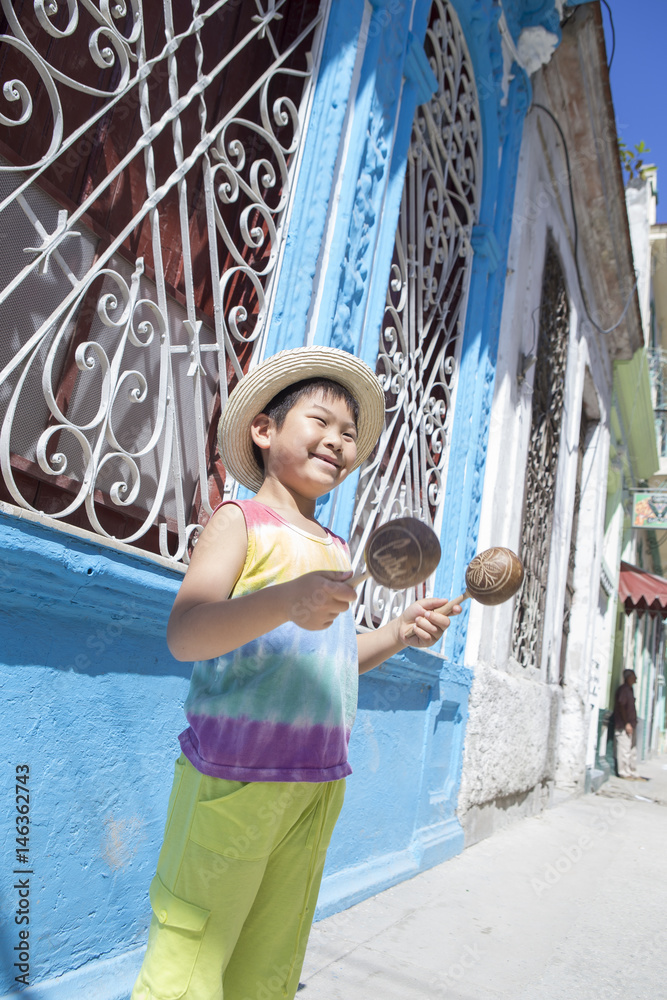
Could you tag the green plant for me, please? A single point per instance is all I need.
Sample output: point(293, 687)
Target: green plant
point(632, 159)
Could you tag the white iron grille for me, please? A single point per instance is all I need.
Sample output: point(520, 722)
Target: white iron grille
point(149, 156)
point(420, 339)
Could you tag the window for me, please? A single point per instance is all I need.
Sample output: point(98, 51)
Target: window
point(149, 158)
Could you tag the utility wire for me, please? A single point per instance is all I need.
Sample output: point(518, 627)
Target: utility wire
point(600, 329)
point(613, 35)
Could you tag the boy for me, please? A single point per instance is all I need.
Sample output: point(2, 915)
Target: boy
point(264, 611)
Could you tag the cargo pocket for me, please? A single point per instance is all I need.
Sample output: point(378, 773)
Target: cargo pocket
point(174, 944)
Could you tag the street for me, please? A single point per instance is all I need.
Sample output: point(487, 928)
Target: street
point(568, 904)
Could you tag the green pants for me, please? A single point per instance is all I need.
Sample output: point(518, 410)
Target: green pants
point(236, 887)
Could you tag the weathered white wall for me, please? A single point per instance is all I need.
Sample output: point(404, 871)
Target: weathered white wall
point(526, 734)
point(581, 687)
point(509, 755)
point(605, 624)
point(640, 202)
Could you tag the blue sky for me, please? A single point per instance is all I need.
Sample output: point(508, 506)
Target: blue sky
point(639, 80)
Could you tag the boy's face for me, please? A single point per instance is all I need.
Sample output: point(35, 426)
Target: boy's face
point(315, 448)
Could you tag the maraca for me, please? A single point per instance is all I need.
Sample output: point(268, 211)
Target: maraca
point(404, 552)
point(492, 577)
point(400, 554)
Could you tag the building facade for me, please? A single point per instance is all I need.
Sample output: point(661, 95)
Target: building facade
point(571, 314)
point(634, 549)
point(189, 190)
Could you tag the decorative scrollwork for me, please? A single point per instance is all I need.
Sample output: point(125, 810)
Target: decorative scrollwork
point(251, 167)
point(542, 464)
point(106, 44)
point(425, 306)
point(107, 390)
point(109, 377)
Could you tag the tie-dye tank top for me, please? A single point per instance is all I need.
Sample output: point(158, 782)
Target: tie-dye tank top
point(279, 708)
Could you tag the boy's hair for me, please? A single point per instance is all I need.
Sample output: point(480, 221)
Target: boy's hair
point(278, 407)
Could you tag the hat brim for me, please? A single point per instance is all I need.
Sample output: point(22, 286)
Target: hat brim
point(262, 383)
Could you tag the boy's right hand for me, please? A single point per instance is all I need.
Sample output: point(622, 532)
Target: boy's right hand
point(318, 598)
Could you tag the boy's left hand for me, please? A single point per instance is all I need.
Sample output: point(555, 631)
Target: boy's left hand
point(422, 624)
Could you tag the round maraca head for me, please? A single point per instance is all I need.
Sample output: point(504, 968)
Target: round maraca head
point(494, 575)
point(402, 553)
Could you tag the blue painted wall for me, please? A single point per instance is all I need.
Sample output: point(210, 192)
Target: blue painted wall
point(91, 702)
point(92, 699)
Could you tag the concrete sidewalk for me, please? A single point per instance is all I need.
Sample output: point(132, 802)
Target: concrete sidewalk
point(568, 905)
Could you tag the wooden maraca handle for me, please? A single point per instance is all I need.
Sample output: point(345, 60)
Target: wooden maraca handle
point(359, 578)
point(452, 604)
point(445, 610)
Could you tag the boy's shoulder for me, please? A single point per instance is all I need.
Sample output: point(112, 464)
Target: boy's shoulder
point(253, 513)
point(227, 512)
point(250, 511)
point(226, 523)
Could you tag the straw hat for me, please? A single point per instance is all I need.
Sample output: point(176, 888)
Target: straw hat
point(262, 383)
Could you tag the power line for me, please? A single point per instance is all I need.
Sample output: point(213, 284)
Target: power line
point(600, 329)
point(613, 35)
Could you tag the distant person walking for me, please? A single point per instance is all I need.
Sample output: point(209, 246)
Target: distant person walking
point(625, 728)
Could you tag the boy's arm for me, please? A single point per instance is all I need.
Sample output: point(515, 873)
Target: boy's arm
point(205, 623)
point(427, 624)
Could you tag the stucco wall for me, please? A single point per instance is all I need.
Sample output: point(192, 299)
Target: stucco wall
point(92, 704)
point(509, 751)
point(640, 201)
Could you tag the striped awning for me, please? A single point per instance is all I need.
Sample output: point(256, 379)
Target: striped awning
point(641, 591)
